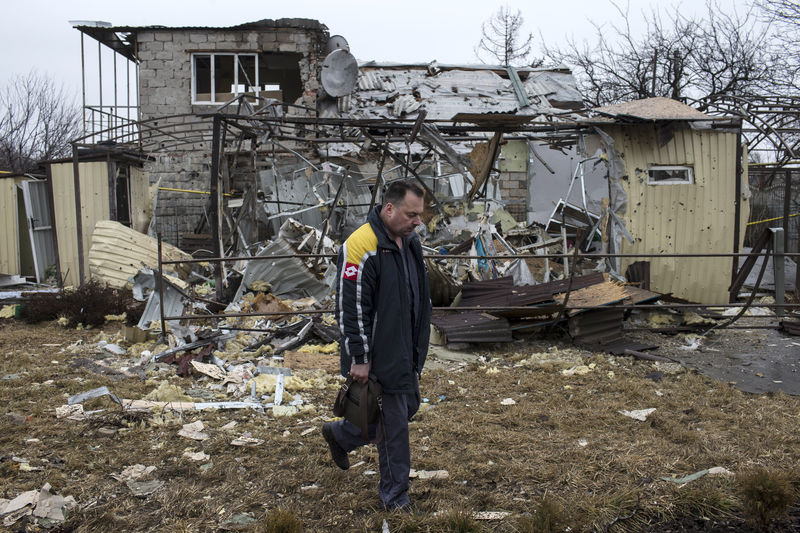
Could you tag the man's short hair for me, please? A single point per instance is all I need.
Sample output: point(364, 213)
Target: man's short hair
point(396, 191)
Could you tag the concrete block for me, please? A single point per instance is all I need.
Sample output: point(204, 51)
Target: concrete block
point(287, 47)
point(157, 83)
point(180, 38)
point(198, 38)
point(269, 46)
point(146, 55)
point(163, 36)
point(145, 37)
point(165, 55)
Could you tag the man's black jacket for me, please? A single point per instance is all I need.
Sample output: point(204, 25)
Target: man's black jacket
point(373, 308)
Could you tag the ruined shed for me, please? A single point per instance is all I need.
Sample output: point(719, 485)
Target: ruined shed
point(679, 178)
point(108, 189)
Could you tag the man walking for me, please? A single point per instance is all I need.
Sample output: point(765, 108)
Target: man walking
point(383, 308)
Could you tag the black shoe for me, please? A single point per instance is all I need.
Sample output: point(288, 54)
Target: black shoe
point(338, 454)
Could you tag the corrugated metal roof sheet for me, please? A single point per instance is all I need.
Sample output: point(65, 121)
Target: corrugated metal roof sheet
point(391, 92)
point(596, 326)
point(118, 253)
point(259, 24)
point(473, 327)
point(502, 292)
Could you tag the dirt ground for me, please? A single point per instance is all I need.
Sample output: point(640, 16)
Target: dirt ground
point(531, 431)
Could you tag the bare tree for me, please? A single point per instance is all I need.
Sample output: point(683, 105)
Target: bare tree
point(503, 41)
point(674, 56)
point(784, 15)
point(37, 120)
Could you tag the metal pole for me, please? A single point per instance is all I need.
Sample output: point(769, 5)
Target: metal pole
point(778, 266)
point(76, 189)
point(737, 211)
point(160, 284)
point(378, 181)
point(787, 206)
point(215, 214)
point(100, 80)
point(138, 95)
point(128, 100)
point(114, 117)
point(83, 84)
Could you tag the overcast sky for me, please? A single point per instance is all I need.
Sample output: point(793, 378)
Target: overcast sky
point(36, 34)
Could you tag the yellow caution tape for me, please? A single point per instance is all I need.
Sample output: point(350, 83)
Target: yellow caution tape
point(770, 219)
point(188, 190)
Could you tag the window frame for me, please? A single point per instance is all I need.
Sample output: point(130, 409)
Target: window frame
point(236, 83)
point(689, 173)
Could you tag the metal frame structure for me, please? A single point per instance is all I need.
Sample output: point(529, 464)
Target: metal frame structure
point(560, 310)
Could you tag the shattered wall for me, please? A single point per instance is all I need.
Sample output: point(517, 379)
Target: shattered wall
point(693, 217)
point(166, 87)
point(165, 54)
point(513, 166)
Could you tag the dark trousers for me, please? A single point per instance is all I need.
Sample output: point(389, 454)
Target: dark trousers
point(394, 453)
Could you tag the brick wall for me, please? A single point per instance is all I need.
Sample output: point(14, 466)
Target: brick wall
point(514, 188)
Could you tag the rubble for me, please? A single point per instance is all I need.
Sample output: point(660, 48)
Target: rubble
point(42, 504)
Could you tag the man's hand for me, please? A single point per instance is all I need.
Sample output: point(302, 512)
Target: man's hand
point(360, 373)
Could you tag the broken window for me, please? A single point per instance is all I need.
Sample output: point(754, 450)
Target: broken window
point(279, 75)
point(219, 77)
point(669, 175)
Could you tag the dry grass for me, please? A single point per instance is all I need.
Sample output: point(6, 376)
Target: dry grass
point(562, 456)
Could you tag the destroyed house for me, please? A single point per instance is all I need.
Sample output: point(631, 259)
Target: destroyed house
point(231, 162)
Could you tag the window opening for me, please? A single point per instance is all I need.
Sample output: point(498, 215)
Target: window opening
point(669, 175)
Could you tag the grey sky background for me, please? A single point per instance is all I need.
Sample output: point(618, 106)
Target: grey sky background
point(36, 34)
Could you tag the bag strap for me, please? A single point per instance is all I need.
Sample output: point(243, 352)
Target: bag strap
point(362, 405)
point(338, 405)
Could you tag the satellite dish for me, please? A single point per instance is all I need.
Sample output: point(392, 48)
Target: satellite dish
point(337, 42)
point(339, 73)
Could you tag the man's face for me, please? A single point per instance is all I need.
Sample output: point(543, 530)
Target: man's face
point(401, 218)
